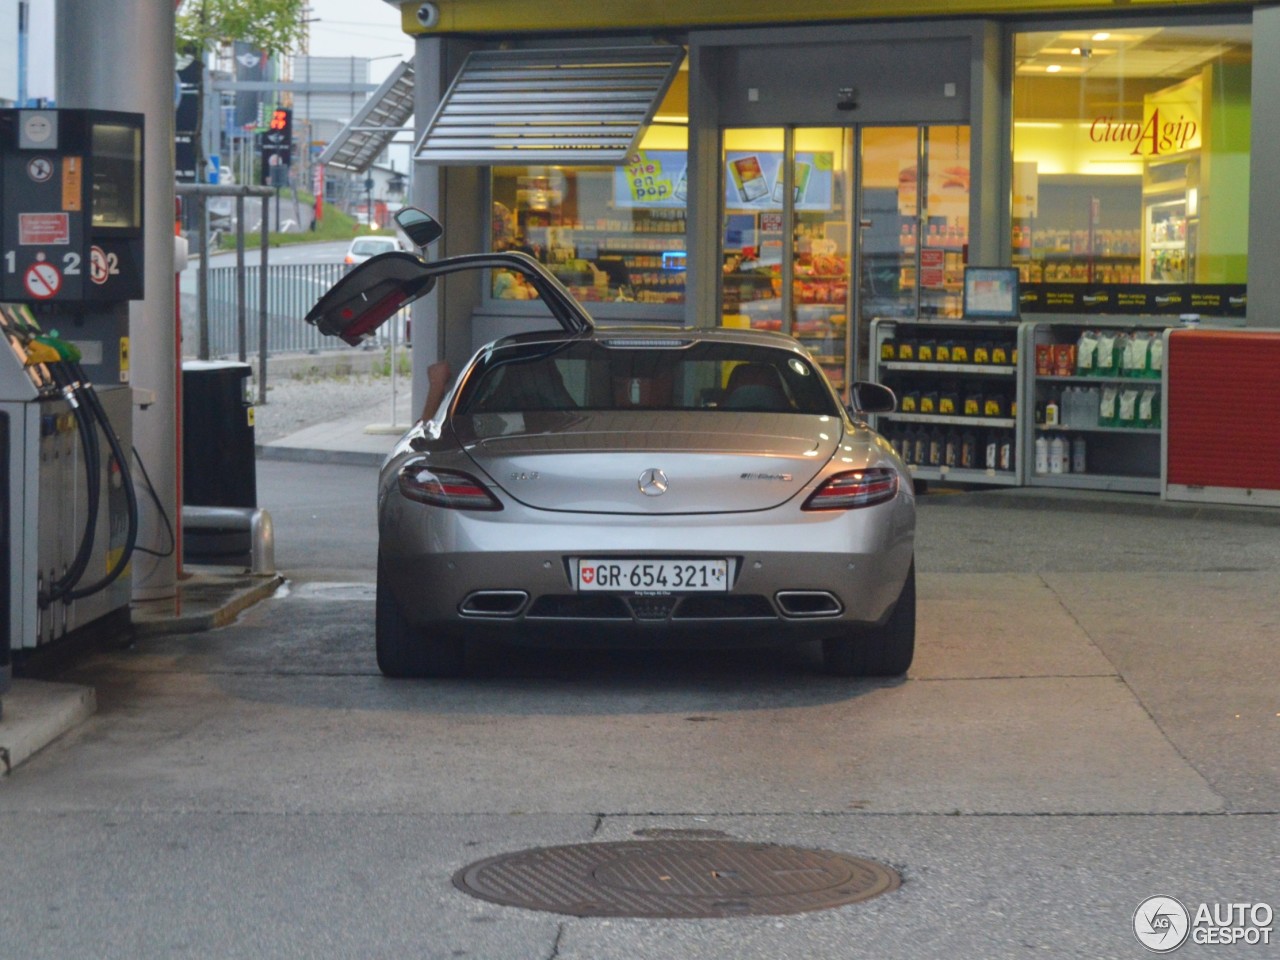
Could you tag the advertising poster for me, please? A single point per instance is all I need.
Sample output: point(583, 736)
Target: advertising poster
point(754, 180)
point(651, 178)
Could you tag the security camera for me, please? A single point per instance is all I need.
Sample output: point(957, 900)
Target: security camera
point(428, 15)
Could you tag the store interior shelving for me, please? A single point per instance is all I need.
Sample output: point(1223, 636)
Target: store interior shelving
point(957, 386)
point(1093, 394)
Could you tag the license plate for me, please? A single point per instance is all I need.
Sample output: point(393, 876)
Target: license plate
point(683, 576)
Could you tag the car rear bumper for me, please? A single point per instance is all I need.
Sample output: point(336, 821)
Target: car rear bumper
point(842, 571)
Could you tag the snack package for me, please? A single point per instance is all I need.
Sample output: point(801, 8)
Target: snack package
point(1064, 359)
point(1086, 353)
point(1105, 362)
point(1044, 359)
point(1149, 408)
point(1155, 356)
point(1128, 411)
point(1107, 408)
point(1136, 350)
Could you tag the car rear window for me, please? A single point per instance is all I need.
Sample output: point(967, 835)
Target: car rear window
point(697, 375)
point(371, 247)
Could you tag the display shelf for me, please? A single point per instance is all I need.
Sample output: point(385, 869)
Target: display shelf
point(1064, 428)
point(1090, 378)
point(977, 369)
point(994, 423)
point(1119, 458)
point(992, 433)
point(959, 474)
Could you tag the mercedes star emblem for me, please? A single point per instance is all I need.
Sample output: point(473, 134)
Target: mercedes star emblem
point(653, 483)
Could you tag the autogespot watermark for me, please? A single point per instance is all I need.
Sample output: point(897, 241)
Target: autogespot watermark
point(1163, 924)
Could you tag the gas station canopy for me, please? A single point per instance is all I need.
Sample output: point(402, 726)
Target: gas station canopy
point(576, 106)
point(383, 115)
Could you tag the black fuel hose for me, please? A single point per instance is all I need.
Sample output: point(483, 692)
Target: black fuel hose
point(131, 497)
point(88, 430)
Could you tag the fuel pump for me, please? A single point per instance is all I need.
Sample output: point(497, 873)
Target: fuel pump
point(71, 260)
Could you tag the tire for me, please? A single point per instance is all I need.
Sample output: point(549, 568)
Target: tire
point(880, 651)
point(404, 650)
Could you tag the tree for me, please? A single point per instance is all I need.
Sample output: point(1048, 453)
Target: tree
point(274, 26)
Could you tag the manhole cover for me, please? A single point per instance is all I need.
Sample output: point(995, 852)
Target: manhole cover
point(675, 878)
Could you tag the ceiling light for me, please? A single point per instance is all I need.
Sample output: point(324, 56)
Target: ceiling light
point(1102, 35)
point(1052, 68)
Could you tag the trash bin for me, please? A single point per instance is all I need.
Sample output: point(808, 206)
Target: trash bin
point(217, 435)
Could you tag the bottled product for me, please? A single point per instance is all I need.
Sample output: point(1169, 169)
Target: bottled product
point(1042, 454)
point(968, 450)
point(1058, 462)
point(937, 441)
point(1051, 412)
point(991, 455)
point(1006, 451)
point(1079, 462)
point(951, 449)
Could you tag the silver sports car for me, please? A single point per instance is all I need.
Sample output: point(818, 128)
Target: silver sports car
point(632, 486)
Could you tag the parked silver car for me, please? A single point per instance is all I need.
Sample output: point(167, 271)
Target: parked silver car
point(632, 486)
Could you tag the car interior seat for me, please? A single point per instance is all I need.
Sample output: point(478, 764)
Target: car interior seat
point(756, 386)
point(532, 385)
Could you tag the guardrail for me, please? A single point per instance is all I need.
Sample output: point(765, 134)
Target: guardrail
point(292, 290)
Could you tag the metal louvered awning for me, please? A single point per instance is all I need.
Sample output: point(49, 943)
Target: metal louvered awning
point(577, 106)
point(383, 115)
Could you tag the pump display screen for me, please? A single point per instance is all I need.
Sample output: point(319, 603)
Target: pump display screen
point(117, 176)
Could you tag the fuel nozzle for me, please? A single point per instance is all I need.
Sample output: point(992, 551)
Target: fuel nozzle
point(65, 349)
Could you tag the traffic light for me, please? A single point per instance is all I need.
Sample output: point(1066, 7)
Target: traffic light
point(277, 146)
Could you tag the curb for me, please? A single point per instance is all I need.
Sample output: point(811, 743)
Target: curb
point(231, 597)
point(310, 455)
point(37, 713)
point(1084, 501)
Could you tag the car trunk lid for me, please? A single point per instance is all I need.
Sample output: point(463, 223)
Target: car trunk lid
point(650, 462)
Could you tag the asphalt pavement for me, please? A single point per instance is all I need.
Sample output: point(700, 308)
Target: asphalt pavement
point(1093, 718)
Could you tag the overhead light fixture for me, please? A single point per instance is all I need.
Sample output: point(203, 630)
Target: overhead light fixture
point(1052, 68)
point(1100, 36)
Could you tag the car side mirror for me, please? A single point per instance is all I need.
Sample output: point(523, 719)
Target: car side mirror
point(421, 228)
point(869, 397)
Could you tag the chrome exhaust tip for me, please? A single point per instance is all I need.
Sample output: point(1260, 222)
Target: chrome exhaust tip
point(494, 603)
point(808, 603)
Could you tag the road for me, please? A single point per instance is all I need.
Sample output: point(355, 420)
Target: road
point(1092, 719)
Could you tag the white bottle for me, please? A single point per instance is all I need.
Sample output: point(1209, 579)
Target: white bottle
point(1058, 462)
point(1042, 454)
point(1079, 461)
point(1052, 412)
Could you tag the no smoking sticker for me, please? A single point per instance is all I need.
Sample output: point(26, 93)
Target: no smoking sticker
point(99, 270)
point(42, 280)
point(40, 169)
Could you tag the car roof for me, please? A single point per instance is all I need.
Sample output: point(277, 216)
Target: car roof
point(641, 333)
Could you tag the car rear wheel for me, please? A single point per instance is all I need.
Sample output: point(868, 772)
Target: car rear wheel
point(408, 651)
point(881, 651)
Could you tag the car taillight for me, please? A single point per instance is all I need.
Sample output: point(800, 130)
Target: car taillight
point(348, 259)
point(855, 488)
point(445, 488)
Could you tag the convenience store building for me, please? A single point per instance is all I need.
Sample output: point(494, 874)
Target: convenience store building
point(832, 170)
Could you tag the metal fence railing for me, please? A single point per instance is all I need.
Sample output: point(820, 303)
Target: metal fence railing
point(292, 290)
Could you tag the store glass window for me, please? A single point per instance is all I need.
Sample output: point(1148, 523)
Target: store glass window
point(795, 278)
point(612, 234)
point(1131, 155)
